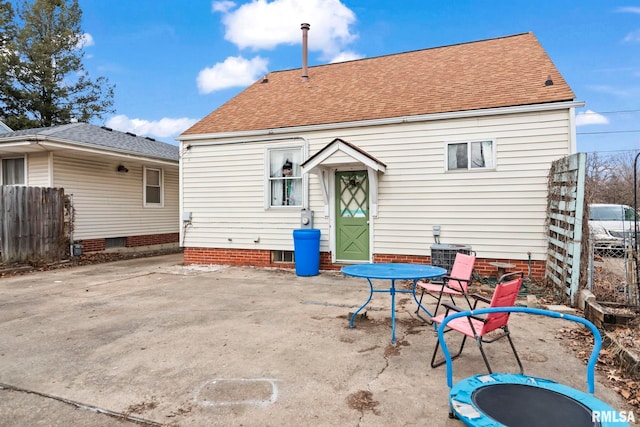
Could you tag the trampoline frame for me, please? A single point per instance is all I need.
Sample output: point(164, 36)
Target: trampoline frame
point(461, 393)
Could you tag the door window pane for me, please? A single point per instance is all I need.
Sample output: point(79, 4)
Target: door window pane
point(353, 195)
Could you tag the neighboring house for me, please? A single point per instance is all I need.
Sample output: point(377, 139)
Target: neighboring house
point(123, 187)
point(4, 128)
point(384, 151)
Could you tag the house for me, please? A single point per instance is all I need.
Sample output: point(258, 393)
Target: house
point(391, 154)
point(3, 127)
point(123, 187)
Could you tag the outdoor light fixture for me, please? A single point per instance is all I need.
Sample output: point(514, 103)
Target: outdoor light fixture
point(122, 169)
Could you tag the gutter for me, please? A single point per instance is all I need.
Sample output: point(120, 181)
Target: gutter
point(46, 142)
point(112, 152)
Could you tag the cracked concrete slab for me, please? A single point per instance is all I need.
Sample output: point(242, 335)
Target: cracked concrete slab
point(150, 341)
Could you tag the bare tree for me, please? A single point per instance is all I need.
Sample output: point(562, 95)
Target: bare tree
point(610, 179)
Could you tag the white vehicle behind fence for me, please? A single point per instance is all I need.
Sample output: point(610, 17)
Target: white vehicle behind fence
point(612, 227)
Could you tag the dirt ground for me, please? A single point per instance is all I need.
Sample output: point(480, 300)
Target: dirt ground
point(609, 363)
point(622, 376)
point(7, 270)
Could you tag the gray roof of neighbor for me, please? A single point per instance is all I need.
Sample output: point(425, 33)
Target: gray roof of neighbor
point(101, 137)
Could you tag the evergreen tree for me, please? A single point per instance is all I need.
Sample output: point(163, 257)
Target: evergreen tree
point(44, 80)
point(7, 34)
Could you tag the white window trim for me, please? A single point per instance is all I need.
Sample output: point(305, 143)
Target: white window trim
point(144, 188)
point(26, 172)
point(267, 178)
point(469, 142)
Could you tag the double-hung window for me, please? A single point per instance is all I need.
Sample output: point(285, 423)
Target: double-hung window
point(13, 171)
point(153, 187)
point(285, 183)
point(470, 155)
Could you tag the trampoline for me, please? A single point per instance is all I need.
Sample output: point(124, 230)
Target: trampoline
point(523, 401)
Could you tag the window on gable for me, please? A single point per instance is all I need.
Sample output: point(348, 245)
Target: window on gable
point(153, 191)
point(285, 177)
point(13, 171)
point(470, 155)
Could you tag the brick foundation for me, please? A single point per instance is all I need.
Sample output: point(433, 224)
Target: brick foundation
point(98, 245)
point(262, 258)
point(152, 239)
point(235, 257)
point(92, 245)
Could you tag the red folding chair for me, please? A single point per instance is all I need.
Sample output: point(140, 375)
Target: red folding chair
point(454, 284)
point(476, 327)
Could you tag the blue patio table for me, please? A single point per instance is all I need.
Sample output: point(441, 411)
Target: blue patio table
point(393, 272)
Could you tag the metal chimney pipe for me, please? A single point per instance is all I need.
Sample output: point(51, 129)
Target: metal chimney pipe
point(305, 36)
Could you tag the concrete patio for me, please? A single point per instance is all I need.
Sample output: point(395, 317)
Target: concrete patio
point(152, 342)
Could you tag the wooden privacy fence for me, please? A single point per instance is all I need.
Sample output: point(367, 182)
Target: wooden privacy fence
point(567, 230)
point(32, 224)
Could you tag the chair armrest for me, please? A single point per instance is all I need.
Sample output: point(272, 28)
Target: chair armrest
point(451, 307)
point(510, 276)
point(447, 278)
point(457, 309)
point(481, 298)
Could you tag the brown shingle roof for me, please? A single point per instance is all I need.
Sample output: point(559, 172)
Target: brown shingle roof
point(501, 72)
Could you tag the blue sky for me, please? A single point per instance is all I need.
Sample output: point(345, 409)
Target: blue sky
point(173, 62)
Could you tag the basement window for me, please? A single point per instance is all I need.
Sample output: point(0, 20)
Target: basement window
point(282, 257)
point(115, 242)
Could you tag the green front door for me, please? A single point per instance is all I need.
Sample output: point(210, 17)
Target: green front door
point(352, 216)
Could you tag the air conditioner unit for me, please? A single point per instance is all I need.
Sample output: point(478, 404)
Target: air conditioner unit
point(443, 255)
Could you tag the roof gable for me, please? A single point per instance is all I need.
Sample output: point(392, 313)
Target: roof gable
point(501, 72)
point(356, 153)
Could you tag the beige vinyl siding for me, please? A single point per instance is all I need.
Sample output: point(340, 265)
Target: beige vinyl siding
point(499, 212)
point(224, 189)
point(110, 204)
point(38, 170)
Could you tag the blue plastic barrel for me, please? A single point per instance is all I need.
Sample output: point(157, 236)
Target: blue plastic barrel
point(306, 244)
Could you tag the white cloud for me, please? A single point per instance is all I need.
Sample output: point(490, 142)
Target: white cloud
point(85, 40)
point(163, 128)
point(261, 24)
point(234, 71)
point(633, 36)
point(222, 6)
point(625, 92)
point(345, 56)
point(590, 118)
point(629, 9)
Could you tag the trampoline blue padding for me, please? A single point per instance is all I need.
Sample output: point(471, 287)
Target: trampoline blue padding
point(522, 401)
point(525, 401)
